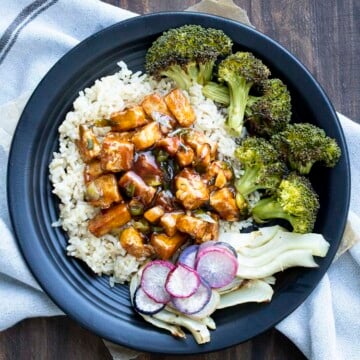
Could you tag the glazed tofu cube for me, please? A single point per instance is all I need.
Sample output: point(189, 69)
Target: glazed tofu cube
point(218, 173)
point(191, 225)
point(180, 107)
point(128, 119)
point(146, 136)
point(116, 154)
point(220, 180)
point(168, 222)
point(103, 191)
point(199, 229)
point(87, 144)
point(185, 156)
point(134, 186)
point(196, 139)
point(166, 199)
point(190, 189)
point(110, 219)
point(202, 157)
point(134, 243)
point(223, 202)
point(147, 168)
point(92, 171)
point(166, 246)
point(154, 214)
point(170, 144)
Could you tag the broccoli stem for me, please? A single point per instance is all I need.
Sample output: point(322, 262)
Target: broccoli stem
point(176, 73)
point(247, 183)
point(205, 72)
point(217, 92)
point(239, 93)
point(269, 209)
point(301, 168)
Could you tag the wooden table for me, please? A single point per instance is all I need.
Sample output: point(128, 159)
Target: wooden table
point(324, 35)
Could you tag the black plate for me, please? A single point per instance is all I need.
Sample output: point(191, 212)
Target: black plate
point(88, 298)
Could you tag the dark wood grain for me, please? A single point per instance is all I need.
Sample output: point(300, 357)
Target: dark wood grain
point(324, 35)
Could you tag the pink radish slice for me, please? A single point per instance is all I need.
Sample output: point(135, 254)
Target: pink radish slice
point(220, 244)
point(216, 266)
point(195, 302)
point(182, 281)
point(144, 304)
point(209, 308)
point(188, 256)
point(153, 280)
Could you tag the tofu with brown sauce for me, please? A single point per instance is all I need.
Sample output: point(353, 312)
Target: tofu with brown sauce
point(110, 219)
point(128, 119)
point(223, 202)
point(134, 186)
point(196, 140)
point(134, 243)
point(156, 108)
point(218, 174)
point(168, 222)
point(199, 229)
point(180, 107)
point(165, 246)
point(190, 189)
point(170, 144)
point(88, 145)
point(92, 170)
point(185, 156)
point(166, 199)
point(116, 154)
point(103, 191)
point(146, 136)
point(148, 169)
point(154, 214)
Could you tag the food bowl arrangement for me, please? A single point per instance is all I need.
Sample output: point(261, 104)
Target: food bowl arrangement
point(88, 298)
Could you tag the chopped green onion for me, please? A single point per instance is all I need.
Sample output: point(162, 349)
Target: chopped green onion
point(130, 190)
point(90, 144)
point(162, 156)
point(204, 216)
point(157, 229)
point(142, 225)
point(136, 209)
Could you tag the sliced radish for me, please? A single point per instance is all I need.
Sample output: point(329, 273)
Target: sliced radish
point(209, 244)
point(195, 302)
point(144, 304)
point(209, 308)
point(153, 280)
point(182, 281)
point(216, 266)
point(188, 256)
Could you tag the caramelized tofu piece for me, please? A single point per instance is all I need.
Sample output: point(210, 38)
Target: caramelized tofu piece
point(180, 107)
point(191, 225)
point(199, 229)
point(218, 173)
point(190, 189)
point(87, 144)
point(134, 186)
point(185, 156)
point(203, 157)
point(156, 108)
point(147, 168)
point(147, 136)
point(116, 153)
point(112, 218)
point(223, 202)
point(103, 191)
point(92, 171)
point(170, 144)
point(128, 119)
point(134, 243)
point(166, 199)
point(165, 246)
point(196, 139)
point(168, 222)
point(154, 214)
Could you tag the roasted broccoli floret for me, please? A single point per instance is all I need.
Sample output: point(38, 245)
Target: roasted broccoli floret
point(295, 201)
point(269, 113)
point(240, 71)
point(187, 54)
point(263, 169)
point(303, 145)
point(265, 115)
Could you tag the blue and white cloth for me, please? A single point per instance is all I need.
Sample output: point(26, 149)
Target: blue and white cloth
point(33, 36)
